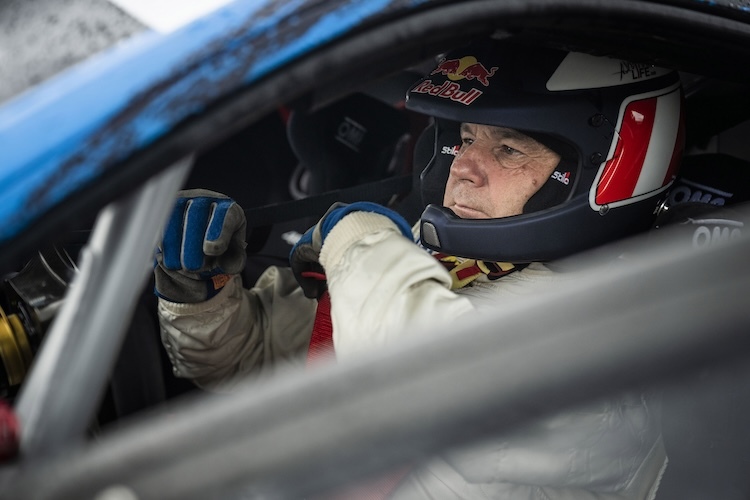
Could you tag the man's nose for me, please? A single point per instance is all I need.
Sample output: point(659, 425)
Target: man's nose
point(467, 165)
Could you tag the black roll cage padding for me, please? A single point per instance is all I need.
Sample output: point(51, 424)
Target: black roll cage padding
point(378, 191)
point(260, 219)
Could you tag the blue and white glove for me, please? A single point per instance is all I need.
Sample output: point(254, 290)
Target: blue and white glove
point(306, 252)
point(203, 245)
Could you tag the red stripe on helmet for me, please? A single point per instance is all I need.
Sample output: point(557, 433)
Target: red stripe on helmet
point(622, 171)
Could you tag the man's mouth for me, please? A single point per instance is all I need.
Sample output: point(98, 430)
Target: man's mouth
point(466, 212)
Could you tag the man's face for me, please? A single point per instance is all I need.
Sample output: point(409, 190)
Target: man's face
point(495, 172)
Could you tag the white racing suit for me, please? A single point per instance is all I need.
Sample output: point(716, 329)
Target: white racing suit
point(383, 285)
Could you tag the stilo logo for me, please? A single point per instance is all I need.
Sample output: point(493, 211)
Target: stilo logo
point(466, 67)
point(450, 150)
point(564, 178)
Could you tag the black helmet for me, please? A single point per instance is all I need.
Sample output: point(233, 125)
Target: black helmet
point(617, 126)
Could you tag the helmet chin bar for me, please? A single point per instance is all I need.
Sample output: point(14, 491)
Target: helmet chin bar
point(537, 237)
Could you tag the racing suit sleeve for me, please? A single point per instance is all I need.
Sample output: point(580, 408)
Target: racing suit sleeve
point(218, 342)
point(382, 285)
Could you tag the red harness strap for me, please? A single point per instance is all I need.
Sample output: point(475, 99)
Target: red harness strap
point(321, 340)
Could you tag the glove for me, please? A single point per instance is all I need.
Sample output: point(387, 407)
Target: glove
point(306, 252)
point(203, 244)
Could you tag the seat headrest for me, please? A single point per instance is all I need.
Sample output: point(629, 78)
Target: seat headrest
point(352, 141)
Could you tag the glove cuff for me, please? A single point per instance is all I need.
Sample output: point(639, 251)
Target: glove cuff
point(178, 287)
point(334, 216)
point(352, 230)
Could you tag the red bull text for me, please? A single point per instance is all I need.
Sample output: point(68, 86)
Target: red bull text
point(448, 90)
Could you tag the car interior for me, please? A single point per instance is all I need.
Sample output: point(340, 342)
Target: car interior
point(293, 155)
point(351, 138)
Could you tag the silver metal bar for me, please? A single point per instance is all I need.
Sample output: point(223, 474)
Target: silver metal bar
point(59, 399)
point(300, 433)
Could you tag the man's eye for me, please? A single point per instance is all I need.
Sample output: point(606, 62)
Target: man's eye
point(467, 141)
point(510, 157)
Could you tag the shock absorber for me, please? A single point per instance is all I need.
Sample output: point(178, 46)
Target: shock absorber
point(15, 351)
point(28, 303)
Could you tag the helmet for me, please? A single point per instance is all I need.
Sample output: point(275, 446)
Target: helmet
point(617, 126)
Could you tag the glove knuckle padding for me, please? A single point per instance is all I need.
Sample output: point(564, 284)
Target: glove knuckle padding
point(225, 221)
point(218, 231)
point(225, 237)
point(171, 245)
point(194, 231)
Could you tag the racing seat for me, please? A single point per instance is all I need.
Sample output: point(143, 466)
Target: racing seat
point(704, 414)
point(355, 140)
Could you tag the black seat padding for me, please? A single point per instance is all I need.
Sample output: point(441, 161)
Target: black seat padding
point(352, 141)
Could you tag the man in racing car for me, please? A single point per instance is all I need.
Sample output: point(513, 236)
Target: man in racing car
point(537, 154)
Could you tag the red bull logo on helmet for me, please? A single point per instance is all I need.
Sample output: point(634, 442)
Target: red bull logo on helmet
point(466, 67)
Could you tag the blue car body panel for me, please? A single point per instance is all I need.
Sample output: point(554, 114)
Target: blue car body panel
point(61, 136)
